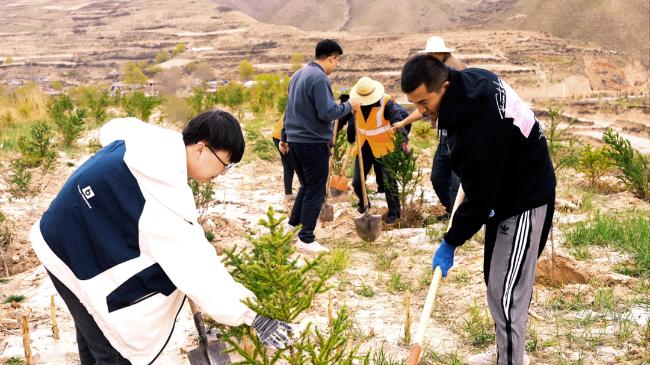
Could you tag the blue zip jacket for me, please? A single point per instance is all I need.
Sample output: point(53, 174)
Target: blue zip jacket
point(311, 107)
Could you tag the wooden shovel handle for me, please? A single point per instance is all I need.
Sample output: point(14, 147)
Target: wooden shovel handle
point(361, 170)
point(416, 345)
point(460, 196)
point(329, 165)
point(345, 160)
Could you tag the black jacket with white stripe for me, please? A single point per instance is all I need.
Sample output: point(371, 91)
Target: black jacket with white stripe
point(498, 150)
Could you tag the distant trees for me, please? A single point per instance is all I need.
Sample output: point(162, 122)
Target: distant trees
point(162, 56)
point(140, 105)
point(297, 59)
point(246, 70)
point(233, 95)
point(133, 74)
point(180, 48)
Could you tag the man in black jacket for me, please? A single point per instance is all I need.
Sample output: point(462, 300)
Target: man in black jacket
point(499, 151)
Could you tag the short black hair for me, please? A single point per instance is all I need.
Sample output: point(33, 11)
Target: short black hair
point(219, 129)
point(423, 69)
point(326, 48)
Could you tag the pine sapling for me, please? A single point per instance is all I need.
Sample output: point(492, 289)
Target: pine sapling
point(340, 147)
point(284, 289)
point(37, 149)
point(320, 348)
point(633, 167)
point(203, 197)
point(401, 166)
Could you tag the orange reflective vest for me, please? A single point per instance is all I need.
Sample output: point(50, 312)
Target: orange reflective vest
point(376, 130)
point(277, 128)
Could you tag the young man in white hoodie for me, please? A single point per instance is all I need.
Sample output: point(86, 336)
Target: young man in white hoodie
point(123, 247)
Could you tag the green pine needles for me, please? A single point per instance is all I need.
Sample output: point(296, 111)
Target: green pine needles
point(285, 285)
point(401, 166)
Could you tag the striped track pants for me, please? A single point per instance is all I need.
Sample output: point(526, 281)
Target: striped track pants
point(512, 247)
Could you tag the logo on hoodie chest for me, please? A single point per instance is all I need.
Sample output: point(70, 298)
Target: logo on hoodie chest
point(86, 193)
point(500, 98)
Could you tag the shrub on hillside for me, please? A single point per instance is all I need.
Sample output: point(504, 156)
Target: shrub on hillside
point(561, 144)
point(176, 109)
point(594, 163)
point(19, 183)
point(37, 149)
point(234, 96)
point(261, 146)
point(69, 121)
point(632, 167)
point(139, 105)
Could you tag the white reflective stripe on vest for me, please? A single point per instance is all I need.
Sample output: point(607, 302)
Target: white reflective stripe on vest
point(374, 132)
point(380, 112)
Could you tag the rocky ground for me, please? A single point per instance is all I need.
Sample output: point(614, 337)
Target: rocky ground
point(564, 327)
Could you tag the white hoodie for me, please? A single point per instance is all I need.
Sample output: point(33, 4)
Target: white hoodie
point(123, 236)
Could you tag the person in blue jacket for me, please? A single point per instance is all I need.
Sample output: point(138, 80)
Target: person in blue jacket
point(307, 136)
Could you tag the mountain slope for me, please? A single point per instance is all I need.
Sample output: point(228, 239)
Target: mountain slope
point(613, 24)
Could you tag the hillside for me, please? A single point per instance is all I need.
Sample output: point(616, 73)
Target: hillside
point(616, 25)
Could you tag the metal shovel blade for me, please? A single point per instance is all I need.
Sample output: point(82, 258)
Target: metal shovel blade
point(214, 354)
point(211, 349)
point(327, 213)
point(339, 183)
point(368, 226)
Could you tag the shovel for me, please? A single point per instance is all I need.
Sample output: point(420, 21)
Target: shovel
point(340, 182)
point(368, 225)
point(416, 344)
point(211, 350)
point(327, 210)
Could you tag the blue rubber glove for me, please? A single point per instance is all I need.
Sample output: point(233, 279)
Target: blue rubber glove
point(444, 257)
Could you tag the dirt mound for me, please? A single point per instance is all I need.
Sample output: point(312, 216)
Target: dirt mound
point(559, 271)
point(565, 270)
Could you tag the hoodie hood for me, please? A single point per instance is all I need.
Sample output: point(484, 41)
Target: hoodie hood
point(464, 97)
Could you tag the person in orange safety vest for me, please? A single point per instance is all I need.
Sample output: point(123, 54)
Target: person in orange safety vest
point(374, 118)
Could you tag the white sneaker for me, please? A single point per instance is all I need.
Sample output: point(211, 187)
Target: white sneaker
point(489, 357)
point(313, 247)
point(288, 227)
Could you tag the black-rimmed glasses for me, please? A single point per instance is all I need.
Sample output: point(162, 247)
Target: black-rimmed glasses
point(226, 166)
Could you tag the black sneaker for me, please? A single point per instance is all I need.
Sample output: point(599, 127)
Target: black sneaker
point(361, 209)
point(391, 220)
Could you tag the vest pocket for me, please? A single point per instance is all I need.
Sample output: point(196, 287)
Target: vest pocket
point(139, 287)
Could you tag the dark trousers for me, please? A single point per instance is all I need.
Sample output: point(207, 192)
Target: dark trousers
point(388, 187)
point(312, 162)
point(288, 168)
point(94, 348)
point(445, 182)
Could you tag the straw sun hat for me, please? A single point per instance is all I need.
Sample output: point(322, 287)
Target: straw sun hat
point(367, 91)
